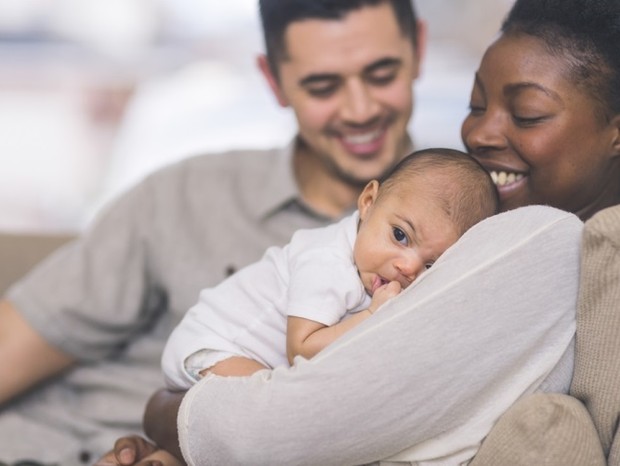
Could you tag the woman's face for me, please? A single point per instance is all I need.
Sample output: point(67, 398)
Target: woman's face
point(541, 135)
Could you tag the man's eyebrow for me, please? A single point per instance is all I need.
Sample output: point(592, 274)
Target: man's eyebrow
point(322, 77)
point(318, 78)
point(382, 63)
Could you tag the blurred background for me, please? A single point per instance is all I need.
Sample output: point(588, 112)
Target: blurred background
point(95, 94)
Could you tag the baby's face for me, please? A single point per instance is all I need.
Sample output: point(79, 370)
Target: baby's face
point(401, 234)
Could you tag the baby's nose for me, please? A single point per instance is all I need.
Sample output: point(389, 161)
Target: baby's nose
point(410, 266)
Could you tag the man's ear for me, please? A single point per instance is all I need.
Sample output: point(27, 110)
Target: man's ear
point(272, 80)
point(420, 50)
point(368, 197)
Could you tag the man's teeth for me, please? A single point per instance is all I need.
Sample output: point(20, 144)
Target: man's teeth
point(503, 178)
point(364, 138)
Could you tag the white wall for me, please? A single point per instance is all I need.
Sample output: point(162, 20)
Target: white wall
point(68, 144)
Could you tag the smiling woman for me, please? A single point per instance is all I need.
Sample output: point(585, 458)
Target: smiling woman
point(545, 119)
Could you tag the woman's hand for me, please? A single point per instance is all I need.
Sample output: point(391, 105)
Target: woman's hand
point(137, 451)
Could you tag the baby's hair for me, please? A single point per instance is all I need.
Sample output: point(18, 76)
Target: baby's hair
point(464, 188)
point(584, 33)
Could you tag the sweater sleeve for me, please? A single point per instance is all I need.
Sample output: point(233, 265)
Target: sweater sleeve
point(597, 367)
point(425, 379)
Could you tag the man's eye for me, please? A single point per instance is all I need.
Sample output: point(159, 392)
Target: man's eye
point(400, 236)
point(322, 92)
point(382, 79)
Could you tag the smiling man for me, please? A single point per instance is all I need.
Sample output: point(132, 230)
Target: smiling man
point(92, 320)
point(347, 72)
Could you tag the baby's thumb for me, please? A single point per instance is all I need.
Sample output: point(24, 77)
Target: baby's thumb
point(393, 288)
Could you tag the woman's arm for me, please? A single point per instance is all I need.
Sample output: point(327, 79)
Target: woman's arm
point(160, 420)
point(425, 379)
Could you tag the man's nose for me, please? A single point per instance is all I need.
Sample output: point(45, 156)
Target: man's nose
point(359, 106)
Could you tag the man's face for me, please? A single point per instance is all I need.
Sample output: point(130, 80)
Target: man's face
point(349, 83)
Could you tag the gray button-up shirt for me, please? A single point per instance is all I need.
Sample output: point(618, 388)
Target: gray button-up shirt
point(112, 297)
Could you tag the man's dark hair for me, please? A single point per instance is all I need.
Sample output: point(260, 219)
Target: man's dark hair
point(462, 185)
point(277, 15)
point(584, 33)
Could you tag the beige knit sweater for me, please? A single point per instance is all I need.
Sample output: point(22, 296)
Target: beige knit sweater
point(597, 363)
point(580, 429)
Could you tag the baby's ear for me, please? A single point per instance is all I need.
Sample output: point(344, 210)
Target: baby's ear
point(367, 198)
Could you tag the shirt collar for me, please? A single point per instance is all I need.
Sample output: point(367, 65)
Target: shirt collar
point(278, 188)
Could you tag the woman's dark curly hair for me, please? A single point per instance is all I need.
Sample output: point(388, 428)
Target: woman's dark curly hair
point(586, 33)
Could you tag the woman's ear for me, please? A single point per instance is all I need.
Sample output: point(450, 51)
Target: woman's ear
point(272, 80)
point(615, 123)
point(368, 197)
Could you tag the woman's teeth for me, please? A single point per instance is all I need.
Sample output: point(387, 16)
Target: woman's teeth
point(504, 178)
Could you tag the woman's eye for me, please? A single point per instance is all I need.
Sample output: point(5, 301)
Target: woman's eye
point(476, 110)
point(400, 236)
point(527, 121)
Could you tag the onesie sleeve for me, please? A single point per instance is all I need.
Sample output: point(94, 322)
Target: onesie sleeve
point(324, 285)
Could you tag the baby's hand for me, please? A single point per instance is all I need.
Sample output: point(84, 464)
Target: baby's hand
point(382, 294)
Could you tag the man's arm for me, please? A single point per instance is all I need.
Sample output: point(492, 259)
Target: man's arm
point(25, 357)
point(424, 379)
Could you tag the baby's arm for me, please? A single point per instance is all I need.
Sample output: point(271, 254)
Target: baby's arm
point(235, 366)
point(305, 337)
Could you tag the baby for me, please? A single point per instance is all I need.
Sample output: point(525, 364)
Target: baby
point(300, 298)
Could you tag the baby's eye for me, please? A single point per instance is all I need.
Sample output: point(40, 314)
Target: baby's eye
point(400, 236)
point(429, 265)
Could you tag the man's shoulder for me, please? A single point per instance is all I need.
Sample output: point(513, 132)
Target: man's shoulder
point(239, 159)
point(235, 166)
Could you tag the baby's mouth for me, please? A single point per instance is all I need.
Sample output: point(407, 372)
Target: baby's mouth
point(377, 283)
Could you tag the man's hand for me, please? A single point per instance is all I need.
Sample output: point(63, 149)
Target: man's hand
point(137, 451)
point(382, 294)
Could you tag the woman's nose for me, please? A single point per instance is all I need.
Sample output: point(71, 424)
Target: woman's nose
point(483, 132)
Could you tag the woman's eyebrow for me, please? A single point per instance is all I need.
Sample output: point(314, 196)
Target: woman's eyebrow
point(513, 89)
